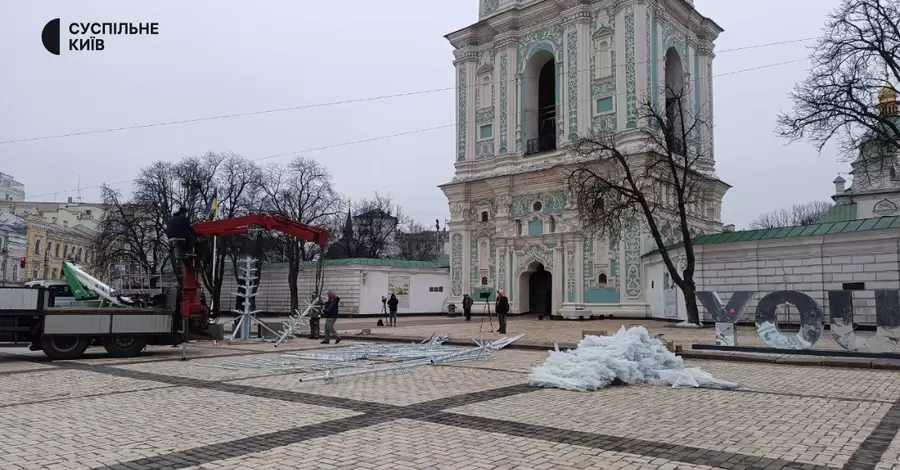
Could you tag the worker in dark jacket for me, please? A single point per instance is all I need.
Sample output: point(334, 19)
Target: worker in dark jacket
point(393, 303)
point(330, 312)
point(467, 306)
point(180, 226)
point(502, 309)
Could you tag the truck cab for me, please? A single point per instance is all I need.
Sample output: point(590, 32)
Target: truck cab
point(60, 292)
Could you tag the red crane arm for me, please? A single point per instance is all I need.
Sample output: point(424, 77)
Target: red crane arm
point(190, 300)
point(278, 223)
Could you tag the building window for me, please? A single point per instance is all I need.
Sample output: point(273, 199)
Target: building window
point(539, 89)
point(78, 256)
point(601, 280)
point(519, 227)
point(552, 224)
point(56, 253)
point(37, 246)
point(605, 105)
point(66, 251)
point(603, 62)
point(537, 206)
point(486, 132)
point(483, 280)
point(484, 216)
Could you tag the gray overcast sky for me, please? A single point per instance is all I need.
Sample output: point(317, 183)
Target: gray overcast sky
point(222, 57)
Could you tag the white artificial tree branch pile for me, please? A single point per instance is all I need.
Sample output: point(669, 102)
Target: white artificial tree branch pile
point(630, 356)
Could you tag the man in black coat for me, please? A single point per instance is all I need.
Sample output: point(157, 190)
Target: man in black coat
point(502, 310)
point(180, 226)
point(467, 306)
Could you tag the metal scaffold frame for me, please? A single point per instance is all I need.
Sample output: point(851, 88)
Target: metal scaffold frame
point(246, 316)
point(371, 359)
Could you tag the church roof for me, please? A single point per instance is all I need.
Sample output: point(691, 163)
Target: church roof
point(839, 213)
point(826, 228)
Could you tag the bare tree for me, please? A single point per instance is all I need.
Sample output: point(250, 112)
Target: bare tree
point(128, 232)
point(135, 230)
point(416, 242)
point(302, 190)
point(852, 63)
point(798, 214)
point(660, 179)
point(376, 222)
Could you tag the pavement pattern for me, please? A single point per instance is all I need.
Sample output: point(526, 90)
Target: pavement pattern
point(156, 412)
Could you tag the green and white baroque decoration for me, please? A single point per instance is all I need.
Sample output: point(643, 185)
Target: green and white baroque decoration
point(461, 113)
point(492, 263)
point(570, 275)
point(504, 102)
point(501, 271)
point(530, 43)
point(456, 265)
point(613, 247)
point(473, 263)
point(630, 71)
point(588, 261)
point(551, 203)
point(633, 260)
point(490, 6)
point(572, 82)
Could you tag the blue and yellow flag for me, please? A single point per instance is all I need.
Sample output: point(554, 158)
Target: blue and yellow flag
point(210, 212)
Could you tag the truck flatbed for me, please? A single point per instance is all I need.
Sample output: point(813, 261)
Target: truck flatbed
point(27, 318)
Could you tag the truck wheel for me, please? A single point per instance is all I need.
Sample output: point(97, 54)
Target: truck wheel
point(61, 348)
point(124, 345)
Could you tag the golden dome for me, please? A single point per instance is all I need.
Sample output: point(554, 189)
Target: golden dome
point(887, 95)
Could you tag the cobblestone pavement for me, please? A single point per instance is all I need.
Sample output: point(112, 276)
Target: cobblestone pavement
point(156, 412)
point(569, 331)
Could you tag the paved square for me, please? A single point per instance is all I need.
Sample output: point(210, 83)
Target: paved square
point(156, 412)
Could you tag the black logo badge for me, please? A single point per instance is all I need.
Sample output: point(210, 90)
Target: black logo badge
point(50, 36)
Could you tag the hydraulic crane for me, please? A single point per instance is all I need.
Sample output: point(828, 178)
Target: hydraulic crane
point(64, 333)
point(191, 305)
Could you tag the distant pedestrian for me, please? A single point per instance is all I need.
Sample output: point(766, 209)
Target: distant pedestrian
point(467, 306)
point(502, 309)
point(392, 307)
point(330, 312)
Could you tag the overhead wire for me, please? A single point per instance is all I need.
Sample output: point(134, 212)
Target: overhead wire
point(412, 132)
point(330, 103)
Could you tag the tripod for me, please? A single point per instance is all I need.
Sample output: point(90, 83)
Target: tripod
point(383, 319)
point(487, 309)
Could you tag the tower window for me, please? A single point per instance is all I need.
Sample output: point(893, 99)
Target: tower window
point(484, 281)
point(601, 280)
point(537, 206)
point(484, 216)
point(519, 227)
point(486, 132)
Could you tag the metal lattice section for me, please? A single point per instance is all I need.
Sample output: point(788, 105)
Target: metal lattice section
point(370, 359)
